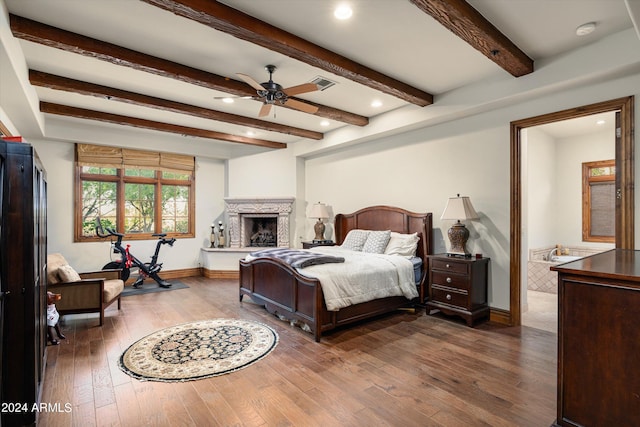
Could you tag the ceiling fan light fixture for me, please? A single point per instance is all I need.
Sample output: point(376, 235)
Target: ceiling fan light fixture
point(271, 93)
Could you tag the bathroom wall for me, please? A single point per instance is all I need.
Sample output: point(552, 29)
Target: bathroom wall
point(555, 185)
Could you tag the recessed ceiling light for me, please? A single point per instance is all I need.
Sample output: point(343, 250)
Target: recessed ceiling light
point(250, 133)
point(585, 29)
point(376, 103)
point(227, 100)
point(600, 122)
point(343, 12)
point(324, 123)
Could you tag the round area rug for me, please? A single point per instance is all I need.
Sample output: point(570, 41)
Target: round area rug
point(197, 350)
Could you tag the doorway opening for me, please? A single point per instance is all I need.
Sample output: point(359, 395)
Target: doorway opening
point(624, 160)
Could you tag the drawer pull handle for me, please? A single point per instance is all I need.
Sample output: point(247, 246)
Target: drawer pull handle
point(448, 266)
point(448, 297)
point(449, 280)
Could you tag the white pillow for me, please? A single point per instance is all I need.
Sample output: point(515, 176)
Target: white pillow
point(355, 240)
point(68, 274)
point(376, 242)
point(402, 244)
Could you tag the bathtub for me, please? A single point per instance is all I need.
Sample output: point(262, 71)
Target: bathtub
point(540, 278)
point(564, 258)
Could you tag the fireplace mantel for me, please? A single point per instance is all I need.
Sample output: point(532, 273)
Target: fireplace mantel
point(237, 208)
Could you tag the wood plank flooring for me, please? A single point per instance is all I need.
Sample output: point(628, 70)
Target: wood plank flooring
point(400, 369)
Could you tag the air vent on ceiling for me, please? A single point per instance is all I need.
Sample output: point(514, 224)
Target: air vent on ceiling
point(323, 82)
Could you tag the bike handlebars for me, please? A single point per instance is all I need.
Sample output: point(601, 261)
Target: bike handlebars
point(111, 232)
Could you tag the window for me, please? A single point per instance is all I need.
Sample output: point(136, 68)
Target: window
point(599, 203)
point(138, 193)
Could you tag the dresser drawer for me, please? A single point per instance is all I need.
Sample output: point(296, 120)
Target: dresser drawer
point(451, 280)
point(450, 296)
point(452, 266)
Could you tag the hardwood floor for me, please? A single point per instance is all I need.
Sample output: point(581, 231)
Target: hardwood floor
point(401, 369)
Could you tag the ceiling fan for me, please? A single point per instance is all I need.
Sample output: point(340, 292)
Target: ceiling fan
point(271, 93)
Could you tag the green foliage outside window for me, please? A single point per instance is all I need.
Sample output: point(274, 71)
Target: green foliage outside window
point(142, 190)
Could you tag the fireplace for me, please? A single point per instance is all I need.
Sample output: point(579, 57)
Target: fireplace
point(258, 222)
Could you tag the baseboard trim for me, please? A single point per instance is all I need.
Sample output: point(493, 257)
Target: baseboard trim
point(500, 316)
point(220, 274)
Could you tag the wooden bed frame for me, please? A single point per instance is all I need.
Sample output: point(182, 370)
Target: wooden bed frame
point(288, 294)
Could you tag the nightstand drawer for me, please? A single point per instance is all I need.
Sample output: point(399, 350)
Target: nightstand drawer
point(451, 280)
point(450, 296)
point(452, 266)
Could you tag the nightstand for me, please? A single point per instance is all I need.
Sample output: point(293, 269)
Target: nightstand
point(458, 286)
point(312, 244)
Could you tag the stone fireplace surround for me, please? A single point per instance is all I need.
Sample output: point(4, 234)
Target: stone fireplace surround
point(241, 211)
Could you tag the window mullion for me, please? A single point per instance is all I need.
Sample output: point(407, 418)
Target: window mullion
point(120, 201)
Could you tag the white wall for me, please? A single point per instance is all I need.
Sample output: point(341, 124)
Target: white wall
point(571, 153)
point(540, 194)
point(419, 171)
point(57, 159)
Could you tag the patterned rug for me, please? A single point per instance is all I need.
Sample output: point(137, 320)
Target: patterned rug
point(198, 350)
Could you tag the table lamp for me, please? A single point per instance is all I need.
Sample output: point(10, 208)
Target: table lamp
point(319, 210)
point(459, 209)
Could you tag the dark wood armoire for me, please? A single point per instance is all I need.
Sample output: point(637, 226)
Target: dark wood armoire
point(23, 305)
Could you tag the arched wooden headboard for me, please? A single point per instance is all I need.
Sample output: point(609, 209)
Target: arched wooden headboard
point(388, 218)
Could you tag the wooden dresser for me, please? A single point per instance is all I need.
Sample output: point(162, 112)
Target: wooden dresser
point(599, 340)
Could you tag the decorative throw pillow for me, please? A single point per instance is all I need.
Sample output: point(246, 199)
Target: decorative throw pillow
point(402, 244)
point(355, 240)
point(68, 274)
point(377, 242)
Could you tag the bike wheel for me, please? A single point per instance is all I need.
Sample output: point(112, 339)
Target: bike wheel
point(117, 265)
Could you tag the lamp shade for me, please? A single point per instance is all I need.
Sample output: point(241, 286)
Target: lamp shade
point(459, 208)
point(319, 210)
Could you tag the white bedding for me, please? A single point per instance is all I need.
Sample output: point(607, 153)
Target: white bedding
point(362, 277)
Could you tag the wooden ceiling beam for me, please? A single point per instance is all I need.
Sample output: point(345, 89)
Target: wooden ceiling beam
point(238, 24)
point(48, 35)
point(83, 113)
point(463, 20)
point(42, 79)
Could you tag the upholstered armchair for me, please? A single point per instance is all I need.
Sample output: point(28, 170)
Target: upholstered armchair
point(89, 292)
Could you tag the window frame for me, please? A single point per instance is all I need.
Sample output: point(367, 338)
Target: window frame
point(587, 180)
point(120, 178)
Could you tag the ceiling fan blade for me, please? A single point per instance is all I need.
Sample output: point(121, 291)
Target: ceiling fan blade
point(250, 81)
point(303, 88)
point(264, 110)
point(307, 108)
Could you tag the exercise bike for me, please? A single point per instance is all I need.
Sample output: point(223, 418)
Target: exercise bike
point(127, 260)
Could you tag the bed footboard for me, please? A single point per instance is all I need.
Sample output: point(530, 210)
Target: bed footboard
point(283, 291)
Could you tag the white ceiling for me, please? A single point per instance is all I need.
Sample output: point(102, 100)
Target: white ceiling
point(393, 37)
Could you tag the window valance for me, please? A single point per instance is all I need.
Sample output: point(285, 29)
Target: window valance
point(115, 157)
